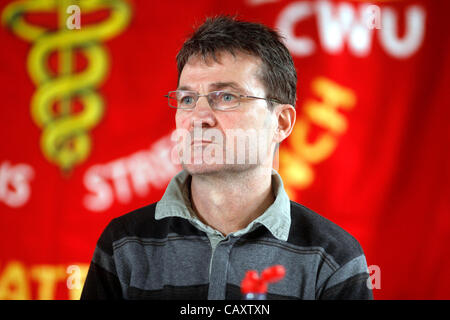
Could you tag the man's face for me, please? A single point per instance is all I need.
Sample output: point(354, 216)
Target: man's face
point(232, 140)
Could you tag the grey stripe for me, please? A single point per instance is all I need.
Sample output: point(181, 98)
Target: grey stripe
point(295, 249)
point(306, 267)
point(104, 260)
point(149, 264)
point(353, 267)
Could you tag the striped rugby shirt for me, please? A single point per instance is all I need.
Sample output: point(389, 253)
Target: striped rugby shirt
point(162, 251)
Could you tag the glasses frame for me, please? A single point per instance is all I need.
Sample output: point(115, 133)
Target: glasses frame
point(198, 96)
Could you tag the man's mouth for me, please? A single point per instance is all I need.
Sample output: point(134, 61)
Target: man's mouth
point(200, 142)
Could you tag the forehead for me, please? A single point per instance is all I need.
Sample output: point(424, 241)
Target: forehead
point(204, 73)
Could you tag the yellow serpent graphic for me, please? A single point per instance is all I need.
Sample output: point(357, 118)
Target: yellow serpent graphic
point(65, 136)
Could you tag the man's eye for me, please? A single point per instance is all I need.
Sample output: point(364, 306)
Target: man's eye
point(187, 100)
point(228, 97)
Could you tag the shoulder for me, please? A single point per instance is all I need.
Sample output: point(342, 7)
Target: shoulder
point(310, 229)
point(140, 223)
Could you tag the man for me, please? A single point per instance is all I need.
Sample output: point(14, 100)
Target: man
point(227, 211)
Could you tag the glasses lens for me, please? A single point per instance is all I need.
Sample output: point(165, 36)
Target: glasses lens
point(224, 100)
point(172, 97)
point(186, 99)
point(182, 99)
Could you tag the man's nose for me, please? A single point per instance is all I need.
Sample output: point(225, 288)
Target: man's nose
point(202, 114)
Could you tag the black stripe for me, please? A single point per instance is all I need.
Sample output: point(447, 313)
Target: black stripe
point(101, 285)
point(196, 292)
point(309, 229)
point(354, 287)
point(233, 292)
point(157, 242)
point(142, 223)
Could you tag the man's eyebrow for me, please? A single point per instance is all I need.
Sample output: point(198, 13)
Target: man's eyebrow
point(187, 88)
point(225, 85)
point(217, 86)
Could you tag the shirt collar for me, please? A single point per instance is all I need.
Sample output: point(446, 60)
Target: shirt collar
point(176, 203)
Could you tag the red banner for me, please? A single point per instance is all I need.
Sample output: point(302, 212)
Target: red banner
point(86, 132)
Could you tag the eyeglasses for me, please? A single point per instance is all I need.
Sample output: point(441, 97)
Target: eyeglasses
point(218, 100)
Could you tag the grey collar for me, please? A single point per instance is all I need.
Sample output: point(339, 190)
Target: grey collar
point(176, 203)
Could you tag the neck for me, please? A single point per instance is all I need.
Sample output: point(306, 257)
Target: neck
point(228, 201)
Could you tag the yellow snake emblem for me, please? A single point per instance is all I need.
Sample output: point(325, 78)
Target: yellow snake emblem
point(65, 138)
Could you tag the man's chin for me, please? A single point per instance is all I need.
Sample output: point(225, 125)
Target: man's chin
point(211, 169)
point(203, 168)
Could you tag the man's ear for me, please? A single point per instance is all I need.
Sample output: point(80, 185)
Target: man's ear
point(286, 115)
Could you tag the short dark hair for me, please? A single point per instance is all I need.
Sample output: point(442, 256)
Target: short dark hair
point(227, 34)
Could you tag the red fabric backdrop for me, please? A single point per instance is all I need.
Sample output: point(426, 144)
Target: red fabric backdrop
point(85, 130)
